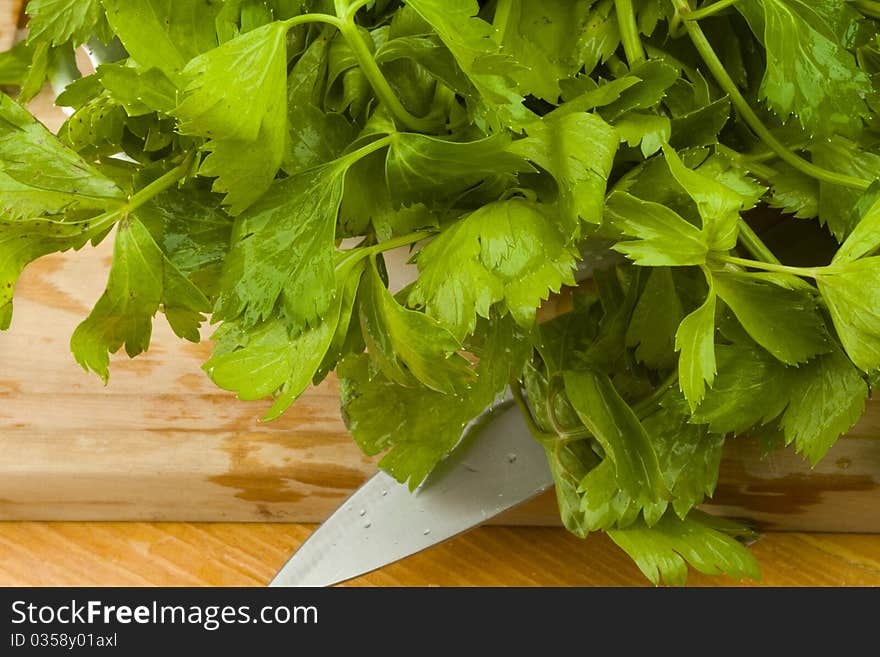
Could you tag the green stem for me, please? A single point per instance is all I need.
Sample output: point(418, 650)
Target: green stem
point(869, 8)
point(377, 80)
point(708, 10)
point(161, 184)
point(344, 22)
point(802, 272)
point(629, 32)
point(648, 403)
point(763, 172)
point(501, 19)
point(397, 242)
point(543, 437)
point(349, 159)
point(312, 18)
point(355, 7)
point(749, 162)
point(136, 200)
point(766, 155)
point(565, 435)
point(754, 244)
point(701, 43)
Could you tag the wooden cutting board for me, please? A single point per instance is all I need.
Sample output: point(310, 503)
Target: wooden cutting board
point(161, 442)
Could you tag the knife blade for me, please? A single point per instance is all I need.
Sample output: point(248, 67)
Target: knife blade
point(495, 466)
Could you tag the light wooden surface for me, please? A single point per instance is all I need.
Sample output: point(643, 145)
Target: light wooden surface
point(161, 442)
point(10, 11)
point(140, 554)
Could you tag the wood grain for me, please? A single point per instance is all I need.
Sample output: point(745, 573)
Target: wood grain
point(161, 442)
point(10, 13)
point(143, 554)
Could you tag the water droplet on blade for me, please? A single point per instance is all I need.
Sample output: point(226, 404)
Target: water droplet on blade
point(426, 532)
point(363, 512)
point(511, 458)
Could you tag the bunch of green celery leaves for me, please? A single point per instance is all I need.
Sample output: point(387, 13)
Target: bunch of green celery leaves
point(276, 150)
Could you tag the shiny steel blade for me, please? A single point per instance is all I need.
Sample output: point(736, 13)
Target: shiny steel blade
point(496, 466)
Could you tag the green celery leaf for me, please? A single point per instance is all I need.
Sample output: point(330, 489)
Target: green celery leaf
point(79, 92)
point(662, 237)
point(663, 551)
point(347, 90)
point(603, 505)
point(852, 292)
point(587, 95)
point(695, 339)
point(24, 240)
point(423, 169)
point(718, 204)
point(654, 322)
point(542, 38)
point(507, 251)
point(368, 200)
point(471, 41)
point(349, 272)
point(648, 131)
point(836, 203)
point(418, 426)
point(237, 94)
point(612, 422)
point(793, 192)
point(750, 389)
point(701, 126)
point(314, 136)
point(139, 91)
point(786, 322)
point(59, 21)
point(192, 230)
point(864, 238)
point(164, 34)
point(39, 176)
point(43, 59)
point(561, 338)
point(409, 346)
point(282, 251)
point(689, 457)
point(141, 281)
point(264, 359)
point(569, 465)
point(809, 71)
point(14, 64)
point(50, 198)
point(96, 128)
point(828, 396)
point(243, 170)
point(428, 52)
point(733, 177)
point(655, 76)
point(578, 151)
point(600, 36)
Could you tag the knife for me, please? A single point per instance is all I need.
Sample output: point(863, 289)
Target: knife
point(495, 466)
